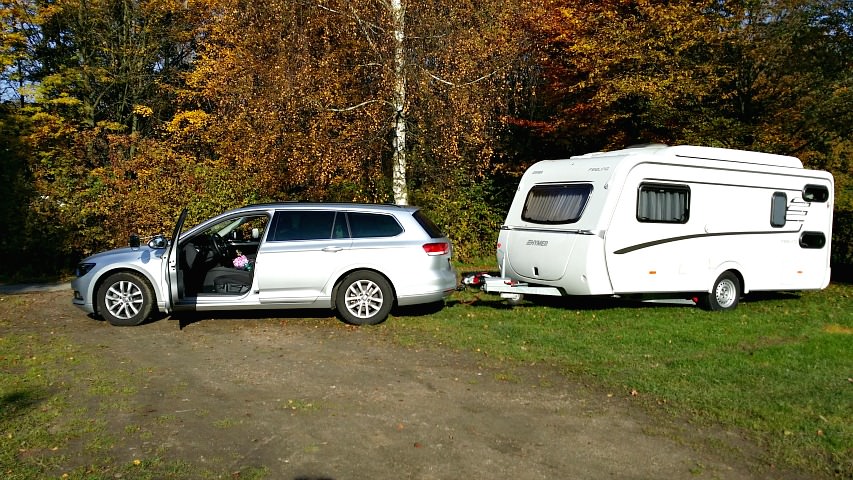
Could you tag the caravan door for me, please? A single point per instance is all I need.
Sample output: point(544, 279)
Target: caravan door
point(541, 246)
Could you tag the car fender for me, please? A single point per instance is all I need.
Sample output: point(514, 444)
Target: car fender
point(157, 284)
point(330, 289)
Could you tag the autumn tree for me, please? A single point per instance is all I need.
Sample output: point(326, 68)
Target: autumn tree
point(620, 72)
point(350, 100)
point(214, 103)
point(92, 80)
point(18, 36)
point(758, 75)
point(789, 66)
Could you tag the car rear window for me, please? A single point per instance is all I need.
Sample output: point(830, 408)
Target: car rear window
point(371, 225)
point(429, 227)
point(556, 203)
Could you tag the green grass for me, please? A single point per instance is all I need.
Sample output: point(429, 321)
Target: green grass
point(779, 369)
point(49, 425)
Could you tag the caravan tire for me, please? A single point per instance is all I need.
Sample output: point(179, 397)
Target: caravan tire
point(725, 294)
point(515, 299)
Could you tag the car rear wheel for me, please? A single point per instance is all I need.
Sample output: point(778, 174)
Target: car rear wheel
point(364, 298)
point(125, 299)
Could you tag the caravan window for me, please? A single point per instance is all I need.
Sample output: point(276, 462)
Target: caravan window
point(556, 203)
point(659, 203)
point(812, 240)
point(815, 193)
point(778, 209)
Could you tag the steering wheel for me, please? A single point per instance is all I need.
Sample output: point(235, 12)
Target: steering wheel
point(219, 245)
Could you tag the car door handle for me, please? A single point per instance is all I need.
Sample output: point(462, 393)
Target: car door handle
point(332, 249)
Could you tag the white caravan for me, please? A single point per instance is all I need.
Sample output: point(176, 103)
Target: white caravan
point(700, 223)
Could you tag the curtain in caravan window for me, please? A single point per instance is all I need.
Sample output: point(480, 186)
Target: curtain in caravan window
point(556, 203)
point(663, 203)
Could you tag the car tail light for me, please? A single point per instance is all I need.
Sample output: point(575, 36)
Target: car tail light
point(439, 248)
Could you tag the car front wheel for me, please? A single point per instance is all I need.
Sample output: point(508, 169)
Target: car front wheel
point(364, 298)
point(125, 299)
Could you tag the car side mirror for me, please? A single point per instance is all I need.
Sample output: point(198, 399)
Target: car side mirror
point(158, 242)
point(134, 241)
point(256, 233)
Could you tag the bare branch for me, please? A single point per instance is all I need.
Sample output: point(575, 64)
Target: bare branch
point(352, 15)
point(355, 107)
point(454, 85)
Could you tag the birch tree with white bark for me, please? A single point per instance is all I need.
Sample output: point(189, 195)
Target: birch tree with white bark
point(352, 100)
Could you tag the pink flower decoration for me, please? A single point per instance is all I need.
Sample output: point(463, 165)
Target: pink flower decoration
point(241, 262)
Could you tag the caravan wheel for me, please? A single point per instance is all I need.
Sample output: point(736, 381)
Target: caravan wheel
point(725, 294)
point(514, 298)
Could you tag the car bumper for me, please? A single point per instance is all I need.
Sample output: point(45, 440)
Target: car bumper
point(424, 298)
point(80, 299)
point(431, 290)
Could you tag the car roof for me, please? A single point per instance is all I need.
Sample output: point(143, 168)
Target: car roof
point(373, 207)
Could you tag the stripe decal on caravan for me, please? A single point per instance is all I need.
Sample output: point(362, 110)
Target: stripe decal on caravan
point(662, 241)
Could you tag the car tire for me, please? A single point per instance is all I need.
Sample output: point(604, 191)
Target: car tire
point(725, 295)
point(125, 299)
point(364, 298)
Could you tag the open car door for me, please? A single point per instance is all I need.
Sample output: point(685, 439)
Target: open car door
point(172, 274)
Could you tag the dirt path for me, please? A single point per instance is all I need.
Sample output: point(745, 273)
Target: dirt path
point(314, 399)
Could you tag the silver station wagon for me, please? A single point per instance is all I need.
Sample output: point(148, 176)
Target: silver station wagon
point(359, 260)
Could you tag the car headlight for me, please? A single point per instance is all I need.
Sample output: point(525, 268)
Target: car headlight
point(83, 269)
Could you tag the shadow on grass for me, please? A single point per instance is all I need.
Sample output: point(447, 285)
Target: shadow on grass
point(606, 302)
point(17, 403)
point(571, 302)
point(766, 296)
point(189, 317)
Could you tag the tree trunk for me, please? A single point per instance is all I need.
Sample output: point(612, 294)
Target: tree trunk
point(398, 162)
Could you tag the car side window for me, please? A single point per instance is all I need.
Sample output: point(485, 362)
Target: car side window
point(340, 229)
point(251, 229)
point(372, 225)
point(293, 225)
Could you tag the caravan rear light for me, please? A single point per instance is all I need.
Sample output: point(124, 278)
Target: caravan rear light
point(434, 249)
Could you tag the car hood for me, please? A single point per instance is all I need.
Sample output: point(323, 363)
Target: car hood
point(142, 254)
